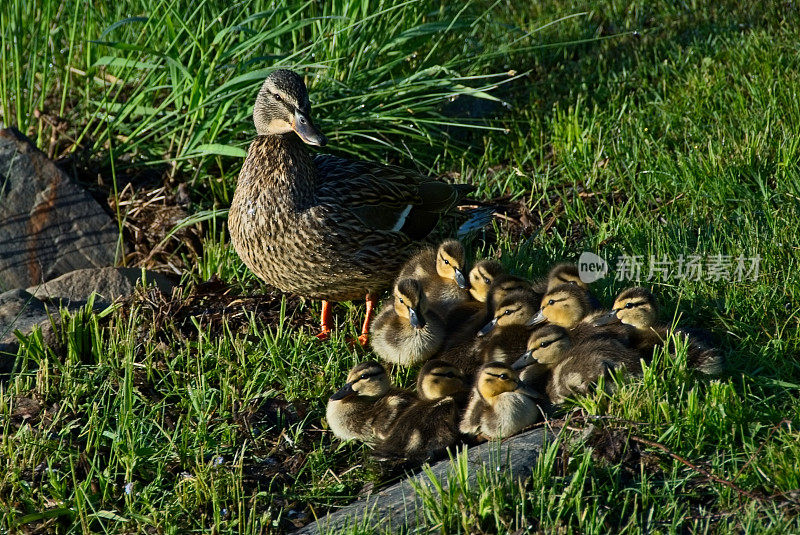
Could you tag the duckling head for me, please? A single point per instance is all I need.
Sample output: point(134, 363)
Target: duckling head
point(546, 345)
point(636, 307)
point(517, 308)
point(450, 262)
point(564, 305)
point(438, 379)
point(501, 286)
point(368, 379)
point(481, 277)
point(565, 274)
point(282, 106)
point(410, 302)
point(497, 378)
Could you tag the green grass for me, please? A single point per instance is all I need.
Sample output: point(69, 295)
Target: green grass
point(649, 128)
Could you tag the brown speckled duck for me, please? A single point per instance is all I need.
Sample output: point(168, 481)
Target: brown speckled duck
point(321, 226)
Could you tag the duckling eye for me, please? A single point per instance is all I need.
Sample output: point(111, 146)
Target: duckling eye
point(486, 280)
point(507, 313)
point(628, 305)
point(447, 262)
point(277, 97)
point(551, 302)
point(401, 300)
point(364, 376)
point(503, 376)
point(544, 344)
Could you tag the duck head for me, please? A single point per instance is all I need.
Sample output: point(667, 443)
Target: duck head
point(565, 274)
point(368, 380)
point(564, 305)
point(410, 302)
point(450, 262)
point(546, 345)
point(497, 378)
point(516, 308)
point(438, 379)
point(282, 106)
point(481, 277)
point(635, 306)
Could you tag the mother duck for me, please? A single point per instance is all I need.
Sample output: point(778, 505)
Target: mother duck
point(321, 226)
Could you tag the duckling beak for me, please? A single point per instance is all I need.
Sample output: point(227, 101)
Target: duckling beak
point(461, 280)
point(345, 391)
point(537, 319)
point(488, 327)
point(523, 361)
point(416, 319)
point(304, 127)
point(528, 391)
point(606, 319)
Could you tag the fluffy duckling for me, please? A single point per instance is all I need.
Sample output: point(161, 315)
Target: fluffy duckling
point(500, 404)
point(441, 272)
point(464, 320)
point(567, 305)
point(638, 308)
point(573, 367)
point(367, 405)
point(430, 424)
point(504, 284)
point(408, 332)
point(565, 273)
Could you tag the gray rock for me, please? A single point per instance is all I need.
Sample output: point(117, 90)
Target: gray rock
point(24, 310)
point(48, 224)
point(73, 288)
point(399, 507)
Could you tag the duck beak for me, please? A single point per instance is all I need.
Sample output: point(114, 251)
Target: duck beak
point(606, 319)
point(523, 361)
point(345, 391)
point(537, 319)
point(304, 127)
point(528, 391)
point(461, 280)
point(488, 327)
point(416, 319)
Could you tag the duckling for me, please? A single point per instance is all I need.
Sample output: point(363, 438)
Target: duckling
point(322, 226)
point(366, 406)
point(565, 273)
point(407, 332)
point(638, 308)
point(441, 273)
point(429, 425)
point(500, 404)
point(567, 305)
point(574, 367)
point(504, 284)
point(464, 320)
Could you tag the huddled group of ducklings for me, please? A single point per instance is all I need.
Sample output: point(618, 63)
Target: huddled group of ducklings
point(496, 347)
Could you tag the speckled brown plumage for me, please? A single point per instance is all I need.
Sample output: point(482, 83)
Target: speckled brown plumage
point(326, 227)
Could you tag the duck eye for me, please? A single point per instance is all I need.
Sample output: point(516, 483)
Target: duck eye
point(551, 302)
point(486, 280)
point(629, 305)
point(544, 344)
point(447, 262)
point(277, 97)
point(401, 300)
point(507, 313)
point(503, 376)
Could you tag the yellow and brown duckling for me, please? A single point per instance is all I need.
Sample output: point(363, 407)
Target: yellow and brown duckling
point(568, 305)
point(366, 407)
point(574, 367)
point(638, 308)
point(441, 271)
point(407, 332)
point(500, 404)
point(431, 424)
point(321, 226)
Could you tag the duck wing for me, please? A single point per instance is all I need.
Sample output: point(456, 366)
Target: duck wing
point(386, 197)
